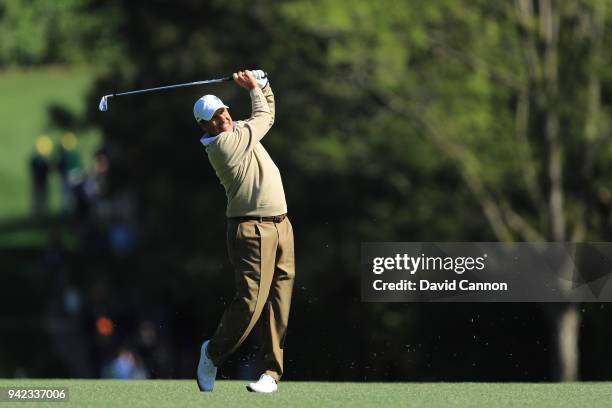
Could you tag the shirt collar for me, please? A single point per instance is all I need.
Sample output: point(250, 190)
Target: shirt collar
point(207, 139)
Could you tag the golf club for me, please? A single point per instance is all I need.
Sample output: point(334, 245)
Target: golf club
point(103, 106)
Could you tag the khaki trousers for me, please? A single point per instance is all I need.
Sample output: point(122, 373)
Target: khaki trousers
point(264, 268)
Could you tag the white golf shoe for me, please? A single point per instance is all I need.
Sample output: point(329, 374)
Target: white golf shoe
point(264, 384)
point(206, 370)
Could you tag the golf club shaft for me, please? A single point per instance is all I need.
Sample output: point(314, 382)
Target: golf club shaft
point(209, 81)
point(103, 105)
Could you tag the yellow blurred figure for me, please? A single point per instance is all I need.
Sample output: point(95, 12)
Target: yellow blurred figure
point(68, 141)
point(44, 145)
point(40, 167)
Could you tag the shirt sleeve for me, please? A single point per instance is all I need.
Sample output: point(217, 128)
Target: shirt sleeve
point(262, 112)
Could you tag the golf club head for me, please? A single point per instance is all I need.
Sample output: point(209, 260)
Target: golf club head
point(103, 106)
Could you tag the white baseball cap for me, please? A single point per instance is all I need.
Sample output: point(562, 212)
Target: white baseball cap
point(206, 106)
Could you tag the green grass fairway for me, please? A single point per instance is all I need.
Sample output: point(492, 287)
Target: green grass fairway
point(167, 393)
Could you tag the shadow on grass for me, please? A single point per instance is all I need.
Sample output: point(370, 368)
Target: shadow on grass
point(33, 233)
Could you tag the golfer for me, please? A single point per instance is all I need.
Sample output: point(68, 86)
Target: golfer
point(259, 234)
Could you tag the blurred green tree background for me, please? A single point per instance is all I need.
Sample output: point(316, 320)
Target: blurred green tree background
point(396, 121)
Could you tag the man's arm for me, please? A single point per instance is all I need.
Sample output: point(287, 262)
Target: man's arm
point(262, 105)
point(269, 95)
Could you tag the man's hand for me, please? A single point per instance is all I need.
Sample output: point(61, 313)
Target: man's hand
point(245, 79)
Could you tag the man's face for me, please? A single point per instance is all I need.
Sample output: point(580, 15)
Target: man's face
point(220, 122)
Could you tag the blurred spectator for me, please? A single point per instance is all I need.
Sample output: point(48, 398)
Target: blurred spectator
point(122, 230)
point(109, 217)
point(70, 169)
point(90, 195)
point(127, 365)
point(95, 185)
point(39, 168)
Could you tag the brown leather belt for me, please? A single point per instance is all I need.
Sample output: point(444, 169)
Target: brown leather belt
point(275, 219)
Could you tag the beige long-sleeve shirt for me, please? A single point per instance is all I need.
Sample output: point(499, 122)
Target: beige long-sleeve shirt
point(251, 180)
